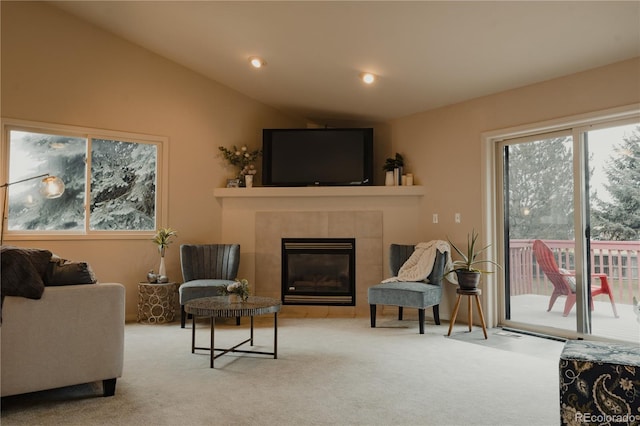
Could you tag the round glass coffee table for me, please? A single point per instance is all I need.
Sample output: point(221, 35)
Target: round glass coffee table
point(223, 307)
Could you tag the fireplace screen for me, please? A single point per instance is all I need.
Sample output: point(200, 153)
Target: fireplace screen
point(318, 271)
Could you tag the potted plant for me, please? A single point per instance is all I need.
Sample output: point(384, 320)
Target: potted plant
point(393, 162)
point(163, 239)
point(466, 271)
point(390, 166)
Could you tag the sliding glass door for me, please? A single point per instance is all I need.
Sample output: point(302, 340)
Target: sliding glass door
point(571, 203)
point(538, 206)
point(614, 230)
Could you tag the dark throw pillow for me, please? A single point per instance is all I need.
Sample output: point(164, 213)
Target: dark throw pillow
point(23, 271)
point(65, 272)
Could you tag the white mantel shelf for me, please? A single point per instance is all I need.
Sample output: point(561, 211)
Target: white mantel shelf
point(321, 191)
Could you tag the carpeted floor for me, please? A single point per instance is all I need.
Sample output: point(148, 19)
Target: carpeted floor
point(329, 371)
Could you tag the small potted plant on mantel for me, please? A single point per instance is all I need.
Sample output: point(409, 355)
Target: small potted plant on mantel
point(466, 272)
point(393, 167)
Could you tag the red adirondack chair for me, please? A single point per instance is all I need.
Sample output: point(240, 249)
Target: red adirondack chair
point(561, 280)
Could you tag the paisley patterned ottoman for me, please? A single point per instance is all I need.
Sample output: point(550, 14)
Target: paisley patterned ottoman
point(599, 383)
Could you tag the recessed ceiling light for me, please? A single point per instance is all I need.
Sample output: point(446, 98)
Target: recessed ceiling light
point(368, 77)
point(257, 62)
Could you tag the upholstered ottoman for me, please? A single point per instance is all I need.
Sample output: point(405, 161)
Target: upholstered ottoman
point(599, 383)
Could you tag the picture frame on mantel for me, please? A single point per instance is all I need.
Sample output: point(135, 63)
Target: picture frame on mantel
point(233, 183)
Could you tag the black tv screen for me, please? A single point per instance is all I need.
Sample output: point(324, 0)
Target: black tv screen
point(317, 157)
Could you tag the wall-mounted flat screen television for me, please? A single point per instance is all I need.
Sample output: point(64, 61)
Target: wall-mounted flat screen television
point(317, 157)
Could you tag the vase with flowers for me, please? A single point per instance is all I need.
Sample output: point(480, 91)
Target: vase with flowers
point(243, 159)
point(163, 239)
point(239, 289)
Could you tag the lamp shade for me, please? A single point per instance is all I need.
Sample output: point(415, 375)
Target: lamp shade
point(51, 187)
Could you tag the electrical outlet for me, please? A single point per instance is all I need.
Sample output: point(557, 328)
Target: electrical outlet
point(458, 218)
point(435, 218)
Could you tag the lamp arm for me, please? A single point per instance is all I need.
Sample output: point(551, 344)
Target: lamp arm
point(4, 201)
point(24, 180)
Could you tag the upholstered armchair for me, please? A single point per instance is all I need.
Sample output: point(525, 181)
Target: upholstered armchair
point(419, 295)
point(205, 269)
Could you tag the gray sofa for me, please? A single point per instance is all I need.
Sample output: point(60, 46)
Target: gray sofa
point(70, 334)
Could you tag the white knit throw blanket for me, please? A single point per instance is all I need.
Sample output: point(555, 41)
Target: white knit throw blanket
point(420, 263)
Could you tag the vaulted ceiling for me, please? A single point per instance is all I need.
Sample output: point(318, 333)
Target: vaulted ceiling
point(426, 54)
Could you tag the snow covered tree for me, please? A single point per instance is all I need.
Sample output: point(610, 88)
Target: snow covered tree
point(122, 179)
point(123, 183)
point(541, 189)
point(619, 219)
point(60, 156)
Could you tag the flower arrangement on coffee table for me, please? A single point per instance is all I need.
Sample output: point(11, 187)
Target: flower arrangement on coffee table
point(239, 287)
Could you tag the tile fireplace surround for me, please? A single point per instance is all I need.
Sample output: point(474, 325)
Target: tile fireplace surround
point(258, 218)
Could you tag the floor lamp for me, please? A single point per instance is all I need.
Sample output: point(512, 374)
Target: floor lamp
point(50, 187)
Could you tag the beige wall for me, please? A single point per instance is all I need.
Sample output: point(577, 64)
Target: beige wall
point(443, 146)
point(58, 69)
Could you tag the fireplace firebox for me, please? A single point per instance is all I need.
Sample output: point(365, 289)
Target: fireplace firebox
point(318, 271)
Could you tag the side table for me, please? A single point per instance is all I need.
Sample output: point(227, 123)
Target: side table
point(471, 293)
point(157, 302)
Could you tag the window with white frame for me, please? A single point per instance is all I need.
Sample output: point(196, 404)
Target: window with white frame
point(111, 180)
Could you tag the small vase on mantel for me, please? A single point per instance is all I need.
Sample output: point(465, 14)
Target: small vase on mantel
point(397, 175)
point(388, 178)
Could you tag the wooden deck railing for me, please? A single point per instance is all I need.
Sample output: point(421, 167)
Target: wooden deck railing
point(617, 259)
